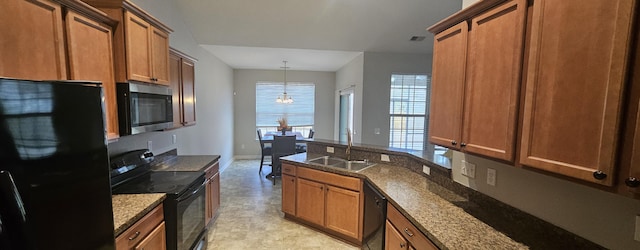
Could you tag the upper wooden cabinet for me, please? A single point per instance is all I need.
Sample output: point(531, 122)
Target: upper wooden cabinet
point(182, 82)
point(91, 58)
point(630, 161)
point(32, 40)
point(141, 43)
point(579, 53)
point(476, 82)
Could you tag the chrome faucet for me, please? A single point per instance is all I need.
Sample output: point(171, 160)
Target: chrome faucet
point(349, 144)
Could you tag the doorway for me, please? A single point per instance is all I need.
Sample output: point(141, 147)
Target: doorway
point(346, 113)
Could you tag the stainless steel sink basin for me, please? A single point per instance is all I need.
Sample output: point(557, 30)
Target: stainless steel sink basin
point(341, 163)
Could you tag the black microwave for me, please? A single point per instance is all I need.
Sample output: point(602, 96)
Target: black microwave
point(143, 107)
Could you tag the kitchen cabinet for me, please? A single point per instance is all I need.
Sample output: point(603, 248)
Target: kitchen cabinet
point(575, 87)
point(182, 82)
point(141, 43)
point(32, 45)
point(146, 233)
point(476, 82)
point(330, 202)
point(212, 175)
point(400, 233)
point(90, 56)
point(288, 189)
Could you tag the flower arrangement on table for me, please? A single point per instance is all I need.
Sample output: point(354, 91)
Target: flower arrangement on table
point(283, 125)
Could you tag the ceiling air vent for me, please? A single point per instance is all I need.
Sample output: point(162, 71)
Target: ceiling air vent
point(417, 38)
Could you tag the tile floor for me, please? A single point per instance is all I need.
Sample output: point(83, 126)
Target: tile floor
point(250, 216)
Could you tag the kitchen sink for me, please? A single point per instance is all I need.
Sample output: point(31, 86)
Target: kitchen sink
point(341, 163)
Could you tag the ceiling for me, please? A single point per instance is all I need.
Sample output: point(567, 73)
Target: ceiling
point(320, 35)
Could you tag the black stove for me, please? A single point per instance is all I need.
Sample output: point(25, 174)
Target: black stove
point(184, 207)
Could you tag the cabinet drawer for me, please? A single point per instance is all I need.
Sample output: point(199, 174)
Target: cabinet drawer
point(329, 178)
point(407, 229)
point(211, 170)
point(289, 169)
point(143, 227)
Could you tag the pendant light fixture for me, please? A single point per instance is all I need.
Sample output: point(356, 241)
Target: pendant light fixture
point(284, 98)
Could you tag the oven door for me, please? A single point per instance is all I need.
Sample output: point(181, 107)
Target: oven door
point(190, 216)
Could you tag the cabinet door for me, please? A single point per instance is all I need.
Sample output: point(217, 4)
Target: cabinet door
point(160, 56)
point(574, 87)
point(156, 240)
point(32, 40)
point(289, 194)
point(176, 87)
point(138, 49)
point(188, 92)
point(91, 58)
point(342, 208)
point(494, 66)
point(447, 86)
point(393, 240)
point(310, 201)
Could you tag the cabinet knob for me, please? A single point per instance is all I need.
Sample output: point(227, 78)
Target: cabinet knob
point(599, 175)
point(632, 182)
point(454, 143)
point(401, 245)
point(462, 144)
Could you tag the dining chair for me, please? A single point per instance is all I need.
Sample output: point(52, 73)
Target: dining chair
point(302, 147)
point(266, 150)
point(282, 146)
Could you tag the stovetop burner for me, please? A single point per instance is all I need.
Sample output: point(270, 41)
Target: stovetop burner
point(171, 183)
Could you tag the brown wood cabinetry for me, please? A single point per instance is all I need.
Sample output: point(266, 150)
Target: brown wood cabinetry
point(327, 201)
point(476, 82)
point(141, 43)
point(212, 175)
point(574, 87)
point(182, 82)
point(402, 234)
point(146, 233)
point(91, 58)
point(32, 41)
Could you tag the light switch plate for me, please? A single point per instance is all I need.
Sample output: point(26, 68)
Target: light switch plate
point(491, 176)
point(174, 139)
point(468, 169)
point(329, 149)
point(426, 170)
point(384, 157)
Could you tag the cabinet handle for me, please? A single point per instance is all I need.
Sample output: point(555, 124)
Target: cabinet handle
point(135, 236)
point(321, 188)
point(632, 182)
point(406, 230)
point(401, 245)
point(599, 175)
point(462, 144)
point(293, 180)
point(454, 143)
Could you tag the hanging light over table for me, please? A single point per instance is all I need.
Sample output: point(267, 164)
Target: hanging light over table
point(284, 98)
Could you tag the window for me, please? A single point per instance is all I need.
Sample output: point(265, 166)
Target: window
point(408, 111)
point(299, 114)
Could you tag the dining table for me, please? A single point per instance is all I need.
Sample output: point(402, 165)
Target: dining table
point(268, 136)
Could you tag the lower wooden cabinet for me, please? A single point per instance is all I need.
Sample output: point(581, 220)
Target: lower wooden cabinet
point(402, 234)
point(146, 233)
point(212, 175)
point(327, 201)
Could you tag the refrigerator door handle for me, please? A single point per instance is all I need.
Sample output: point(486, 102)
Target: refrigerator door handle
point(10, 194)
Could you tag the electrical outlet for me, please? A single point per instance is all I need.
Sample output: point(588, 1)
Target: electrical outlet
point(426, 170)
point(468, 169)
point(149, 145)
point(491, 176)
point(384, 157)
point(174, 138)
point(329, 149)
point(637, 234)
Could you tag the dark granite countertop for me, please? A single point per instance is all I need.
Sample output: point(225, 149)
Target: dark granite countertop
point(428, 205)
point(183, 162)
point(129, 208)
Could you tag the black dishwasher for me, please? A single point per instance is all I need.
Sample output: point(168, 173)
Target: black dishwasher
point(375, 215)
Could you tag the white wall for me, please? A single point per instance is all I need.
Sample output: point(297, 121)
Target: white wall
point(378, 68)
point(246, 144)
point(602, 217)
point(213, 132)
point(350, 75)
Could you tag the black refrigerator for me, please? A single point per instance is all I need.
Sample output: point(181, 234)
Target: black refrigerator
point(54, 172)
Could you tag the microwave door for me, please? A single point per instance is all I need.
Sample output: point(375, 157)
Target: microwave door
point(13, 227)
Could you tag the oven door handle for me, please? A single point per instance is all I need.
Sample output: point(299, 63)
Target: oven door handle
point(202, 186)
